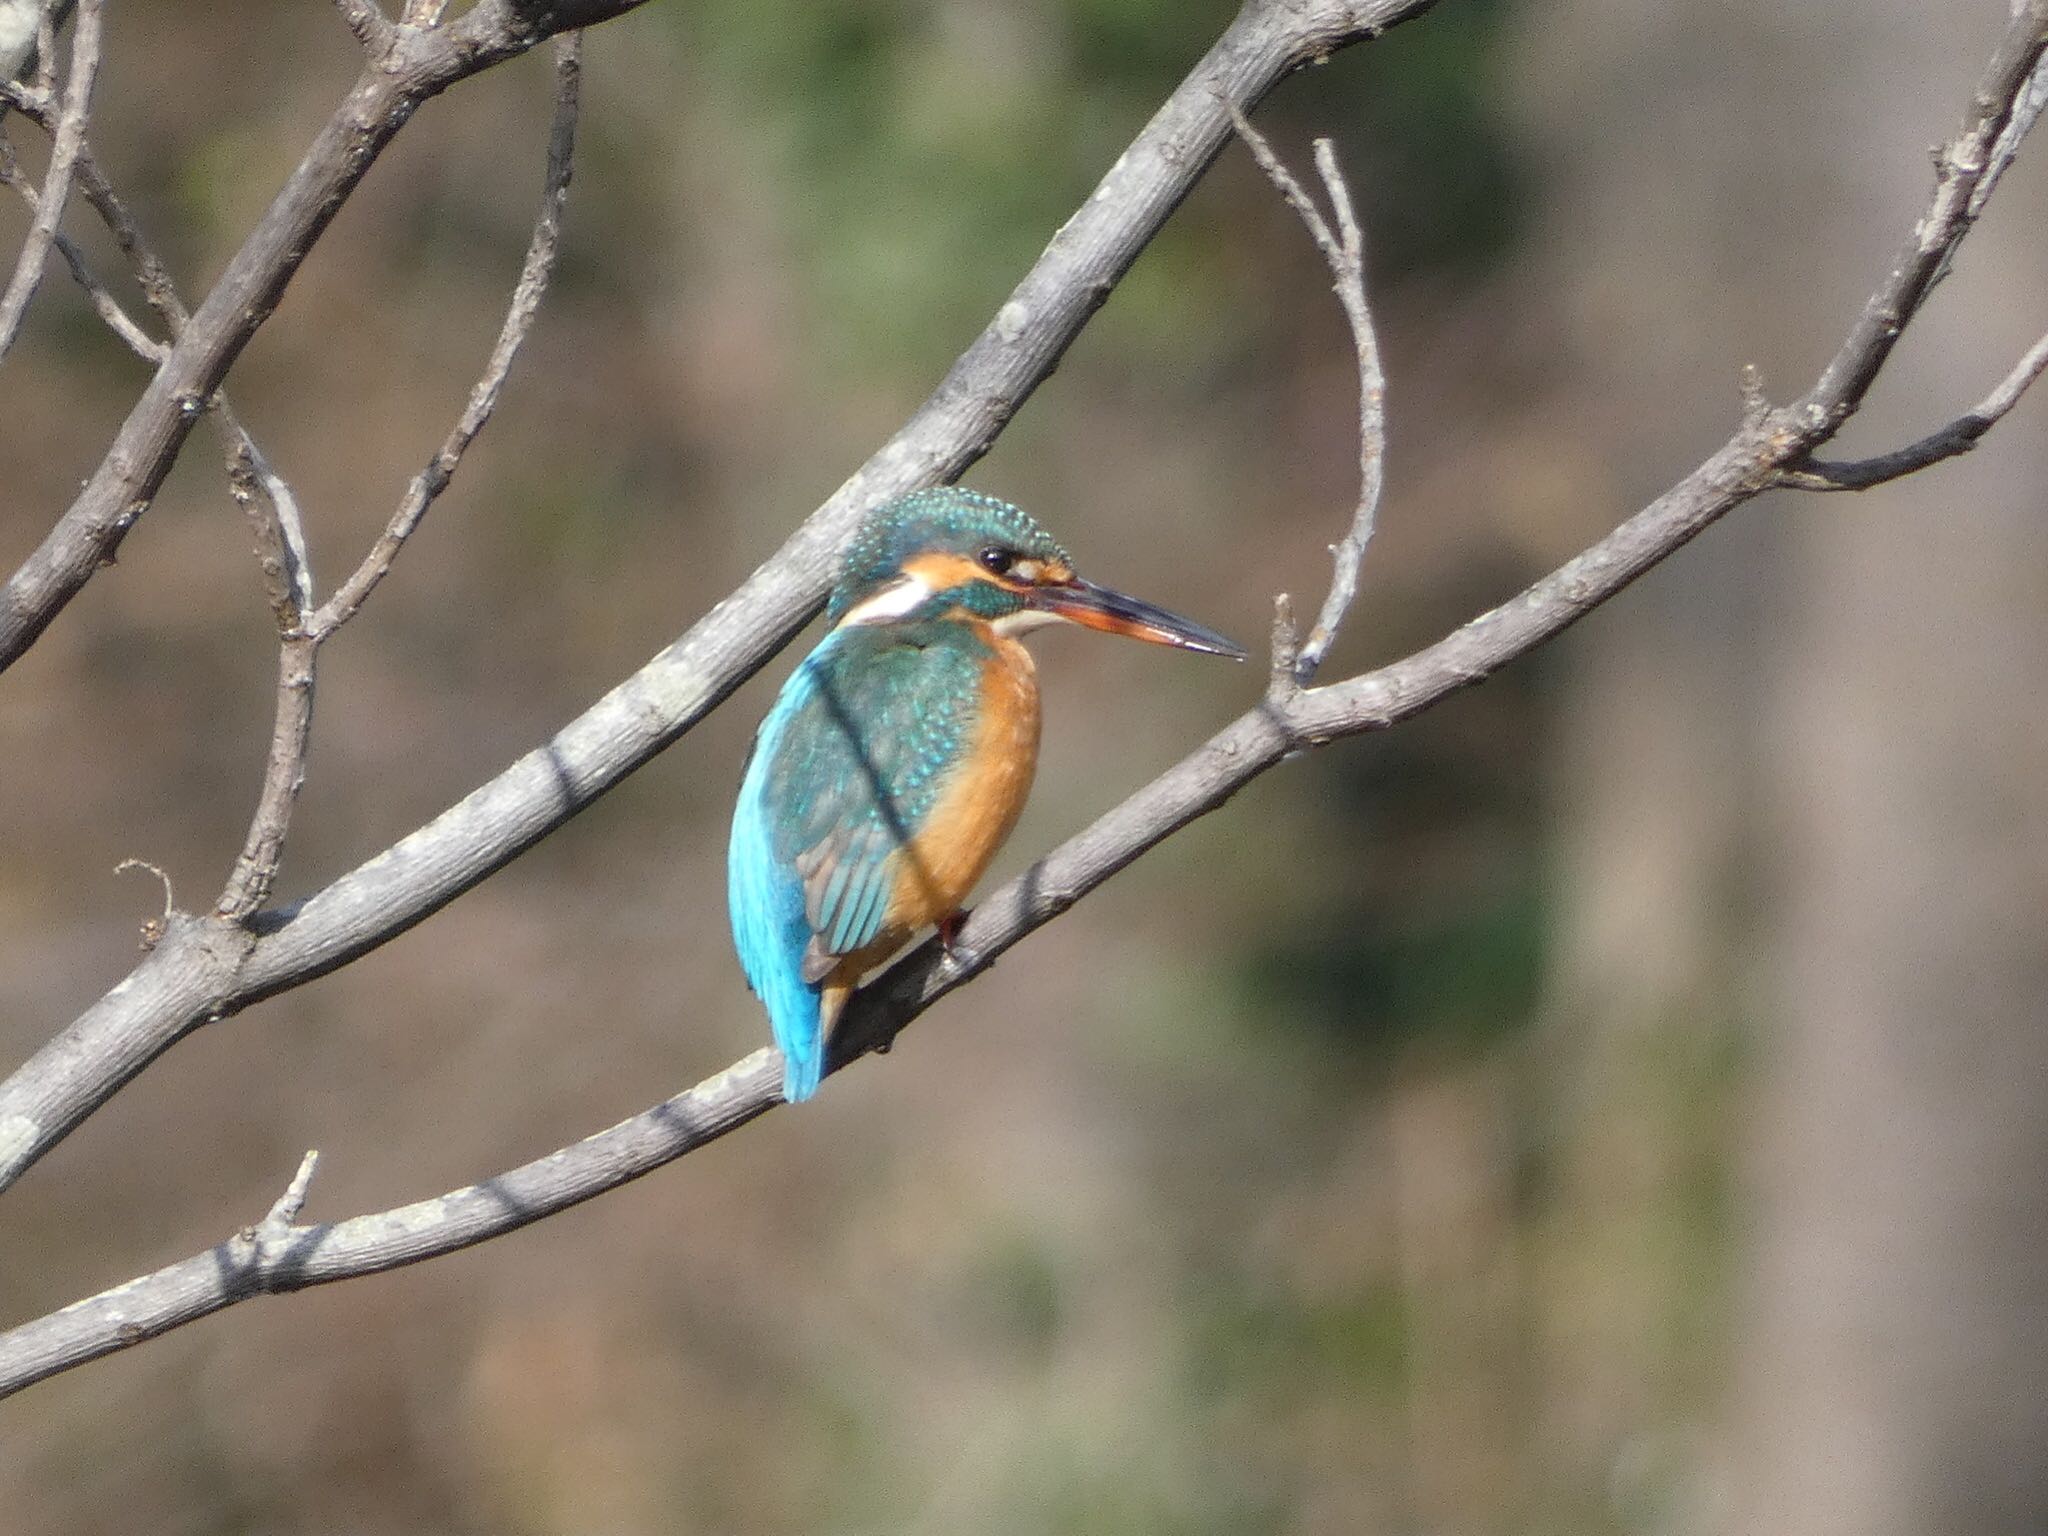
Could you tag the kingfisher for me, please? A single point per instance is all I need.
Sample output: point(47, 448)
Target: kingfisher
point(897, 757)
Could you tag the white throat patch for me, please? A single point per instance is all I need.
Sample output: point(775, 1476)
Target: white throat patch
point(1024, 621)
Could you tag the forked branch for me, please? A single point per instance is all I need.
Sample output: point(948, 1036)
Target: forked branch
point(281, 544)
point(1344, 253)
point(207, 968)
point(64, 148)
point(534, 275)
point(1959, 436)
point(1285, 722)
point(421, 63)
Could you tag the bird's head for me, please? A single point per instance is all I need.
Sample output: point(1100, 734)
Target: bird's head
point(949, 553)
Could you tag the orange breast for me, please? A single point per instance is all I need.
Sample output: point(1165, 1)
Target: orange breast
point(979, 804)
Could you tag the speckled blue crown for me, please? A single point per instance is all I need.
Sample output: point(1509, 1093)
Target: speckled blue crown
point(946, 519)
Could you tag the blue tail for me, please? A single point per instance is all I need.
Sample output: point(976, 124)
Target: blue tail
point(769, 931)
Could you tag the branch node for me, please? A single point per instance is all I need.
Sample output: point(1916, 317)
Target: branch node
point(373, 29)
point(1756, 405)
point(67, 145)
point(1282, 683)
point(669, 1130)
point(1808, 473)
point(1344, 253)
point(535, 273)
point(277, 1222)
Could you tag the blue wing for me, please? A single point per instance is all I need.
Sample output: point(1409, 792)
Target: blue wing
point(844, 769)
point(766, 901)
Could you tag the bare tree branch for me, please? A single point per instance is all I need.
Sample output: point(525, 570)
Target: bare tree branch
point(149, 271)
point(532, 287)
point(1960, 167)
point(104, 304)
point(56, 192)
point(262, 493)
point(2007, 146)
point(371, 26)
point(420, 64)
point(268, 502)
point(25, 98)
point(1344, 253)
point(207, 968)
point(107, 307)
point(1959, 436)
point(1288, 720)
point(265, 498)
point(281, 542)
point(284, 775)
point(273, 512)
point(277, 1221)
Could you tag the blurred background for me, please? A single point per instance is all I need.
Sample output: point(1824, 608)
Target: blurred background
point(1616, 1101)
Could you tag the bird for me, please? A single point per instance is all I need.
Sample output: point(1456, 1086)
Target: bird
point(895, 760)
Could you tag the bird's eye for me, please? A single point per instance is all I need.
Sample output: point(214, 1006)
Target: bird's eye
point(996, 560)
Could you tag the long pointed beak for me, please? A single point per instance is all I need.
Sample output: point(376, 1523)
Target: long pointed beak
point(1118, 614)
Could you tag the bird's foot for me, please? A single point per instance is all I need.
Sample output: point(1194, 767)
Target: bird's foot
point(960, 956)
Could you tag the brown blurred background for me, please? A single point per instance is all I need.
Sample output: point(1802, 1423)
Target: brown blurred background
point(1614, 1102)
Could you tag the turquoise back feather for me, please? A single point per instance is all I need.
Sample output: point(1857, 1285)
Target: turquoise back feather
point(766, 902)
point(846, 767)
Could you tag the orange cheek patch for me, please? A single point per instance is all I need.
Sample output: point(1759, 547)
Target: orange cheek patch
point(944, 572)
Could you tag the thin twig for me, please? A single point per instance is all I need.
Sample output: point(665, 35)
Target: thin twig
point(2026, 111)
point(1283, 675)
point(23, 97)
point(284, 775)
point(1959, 436)
point(371, 26)
point(267, 500)
point(258, 488)
point(384, 97)
point(1961, 167)
point(207, 970)
point(107, 307)
point(150, 272)
point(65, 144)
point(277, 1221)
point(104, 304)
point(319, 936)
point(153, 928)
point(281, 541)
point(532, 287)
point(273, 512)
point(161, 294)
point(1344, 253)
